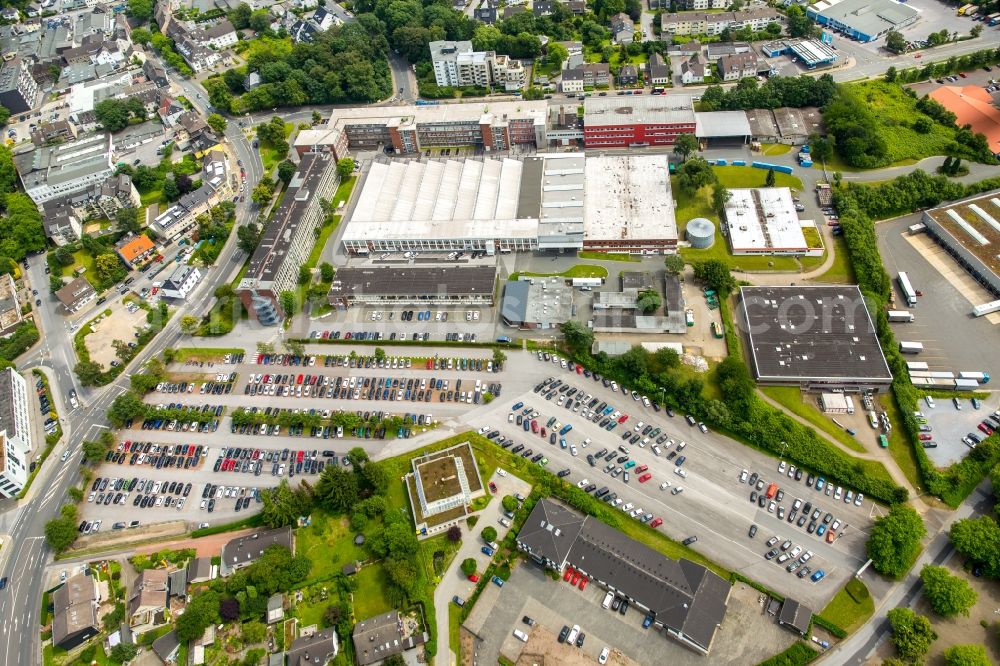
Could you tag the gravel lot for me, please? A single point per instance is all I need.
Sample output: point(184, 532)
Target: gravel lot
point(714, 505)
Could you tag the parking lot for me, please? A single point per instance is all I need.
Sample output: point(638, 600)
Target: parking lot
point(950, 425)
point(953, 339)
point(747, 636)
point(714, 505)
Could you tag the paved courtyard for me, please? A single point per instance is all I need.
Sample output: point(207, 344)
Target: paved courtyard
point(119, 325)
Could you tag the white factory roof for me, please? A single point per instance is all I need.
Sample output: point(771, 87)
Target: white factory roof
point(720, 124)
point(628, 197)
point(763, 219)
point(451, 199)
point(644, 109)
point(496, 113)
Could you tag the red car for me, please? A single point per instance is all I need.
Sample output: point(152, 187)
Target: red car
point(493, 487)
point(925, 437)
point(569, 572)
point(542, 431)
point(985, 428)
point(576, 578)
point(830, 536)
point(640, 469)
point(299, 380)
point(579, 369)
point(962, 74)
point(534, 425)
point(474, 578)
point(656, 522)
point(645, 477)
point(430, 364)
point(623, 418)
point(583, 583)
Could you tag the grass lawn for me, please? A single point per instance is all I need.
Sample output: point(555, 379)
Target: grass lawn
point(771, 149)
point(324, 236)
point(586, 254)
point(745, 176)
point(900, 447)
point(841, 271)
point(852, 606)
point(791, 399)
point(369, 598)
point(152, 197)
point(343, 192)
point(615, 60)
point(798, 654)
point(329, 543)
point(81, 258)
point(580, 270)
point(268, 156)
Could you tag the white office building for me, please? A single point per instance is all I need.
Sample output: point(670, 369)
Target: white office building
point(181, 282)
point(13, 470)
point(14, 410)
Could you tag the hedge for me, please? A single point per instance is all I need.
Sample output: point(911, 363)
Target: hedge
point(819, 620)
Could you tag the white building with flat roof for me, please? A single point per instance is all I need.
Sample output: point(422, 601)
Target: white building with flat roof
point(13, 468)
point(763, 221)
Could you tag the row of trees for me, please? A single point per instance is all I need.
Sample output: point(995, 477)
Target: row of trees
point(913, 635)
point(21, 228)
point(777, 91)
point(115, 114)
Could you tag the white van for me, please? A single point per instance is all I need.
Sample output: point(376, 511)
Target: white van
point(520, 635)
point(608, 598)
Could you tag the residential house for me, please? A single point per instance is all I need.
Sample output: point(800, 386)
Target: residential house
point(572, 81)
point(201, 570)
point(61, 221)
point(54, 132)
point(117, 192)
point(245, 550)
point(10, 305)
point(486, 12)
point(76, 294)
point(628, 75)
point(148, 602)
point(98, 22)
point(251, 80)
point(134, 250)
point(18, 88)
point(622, 28)
point(377, 638)
point(543, 7)
point(324, 20)
point(716, 50)
point(578, 7)
point(177, 583)
point(155, 73)
point(181, 282)
point(658, 70)
point(693, 70)
point(169, 110)
point(74, 612)
point(317, 649)
point(10, 14)
point(511, 10)
point(166, 646)
point(738, 66)
point(303, 32)
point(701, 23)
point(596, 74)
point(219, 36)
point(13, 469)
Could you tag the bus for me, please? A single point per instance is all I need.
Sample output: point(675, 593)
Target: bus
point(908, 293)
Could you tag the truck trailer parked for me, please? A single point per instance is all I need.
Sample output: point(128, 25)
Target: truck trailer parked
point(918, 366)
point(908, 292)
point(979, 377)
point(900, 315)
point(910, 347)
point(986, 308)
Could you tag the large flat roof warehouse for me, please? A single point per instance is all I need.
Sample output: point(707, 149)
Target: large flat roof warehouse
point(638, 110)
point(406, 116)
point(866, 19)
point(722, 124)
point(628, 198)
point(763, 221)
point(815, 336)
point(970, 231)
point(389, 282)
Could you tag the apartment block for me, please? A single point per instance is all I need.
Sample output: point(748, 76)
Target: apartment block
point(701, 23)
point(456, 64)
point(288, 239)
point(18, 88)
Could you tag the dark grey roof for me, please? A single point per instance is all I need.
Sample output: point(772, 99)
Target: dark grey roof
point(246, 549)
point(379, 637)
point(413, 281)
point(199, 569)
point(637, 280)
point(7, 420)
point(686, 597)
point(551, 530)
point(514, 307)
point(177, 583)
point(166, 645)
point(812, 333)
point(673, 300)
point(658, 67)
point(313, 650)
point(74, 607)
point(529, 197)
point(795, 615)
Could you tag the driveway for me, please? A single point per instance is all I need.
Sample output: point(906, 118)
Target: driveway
point(453, 582)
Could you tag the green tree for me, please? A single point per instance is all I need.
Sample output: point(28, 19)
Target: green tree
point(720, 197)
point(799, 25)
point(499, 358)
point(286, 169)
point(694, 174)
point(976, 31)
point(190, 324)
point(468, 566)
point(674, 263)
point(685, 146)
point(253, 632)
point(112, 114)
point(891, 74)
point(895, 42)
point(770, 179)
point(88, 372)
point(170, 189)
point(489, 534)
point(948, 595)
point(217, 123)
point(649, 301)
point(60, 533)
point(202, 611)
point(337, 489)
point(979, 540)
point(247, 237)
point(261, 194)
point(305, 275)
point(966, 655)
point(923, 125)
point(894, 540)
point(124, 653)
point(126, 406)
point(127, 219)
point(578, 337)
point(55, 283)
point(109, 269)
point(316, 118)
point(509, 503)
point(715, 274)
point(141, 9)
point(556, 55)
point(345, 167)
point(326, 271)
point(911, 633)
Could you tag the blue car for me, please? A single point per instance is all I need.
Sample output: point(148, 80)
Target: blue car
point(486, 550)
point(820, 530)
point(818, 576)
point(497, 581)
point(647, 621)
point(517, 406)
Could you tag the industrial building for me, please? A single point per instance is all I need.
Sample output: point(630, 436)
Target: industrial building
point(819, 338)
point(54, 171)
point(442, 486)
point(406, 130)
point(722, 128)
point(863, 20)
point(763, 221)
point(533, 303)
point(288, 239)
point(812, 52)
point(969, 231)
point(559, 201)
point(634, 121)
point(687, 601)
point(973, 106)
point(618, 312)
point(413, 285)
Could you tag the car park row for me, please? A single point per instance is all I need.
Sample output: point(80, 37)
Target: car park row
point(307, 385)
point(372, 361)
point(367, 431)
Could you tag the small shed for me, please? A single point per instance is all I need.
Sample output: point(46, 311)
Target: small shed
point(795, 616)
point(833, 403)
